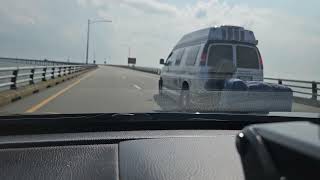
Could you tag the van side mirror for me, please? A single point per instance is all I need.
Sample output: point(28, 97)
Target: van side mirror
point(161, 61)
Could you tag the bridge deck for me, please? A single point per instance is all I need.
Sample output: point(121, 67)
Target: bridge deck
point(106, 89)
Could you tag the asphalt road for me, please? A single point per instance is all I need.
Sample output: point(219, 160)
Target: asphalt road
point(106, 89)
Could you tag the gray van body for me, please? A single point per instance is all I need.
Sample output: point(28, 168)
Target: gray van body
point(202, 60)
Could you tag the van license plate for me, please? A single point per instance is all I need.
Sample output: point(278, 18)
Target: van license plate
point(245, 78)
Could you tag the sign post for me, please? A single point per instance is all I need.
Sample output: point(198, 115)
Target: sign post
point(132, 61)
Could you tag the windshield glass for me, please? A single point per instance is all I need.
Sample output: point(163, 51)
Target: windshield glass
point(143, 56)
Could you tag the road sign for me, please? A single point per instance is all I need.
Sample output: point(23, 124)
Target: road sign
point(132, 60)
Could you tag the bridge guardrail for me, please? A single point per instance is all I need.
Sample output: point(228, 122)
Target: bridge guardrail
point(313, 86)
point(13, 76)
point(298, 85)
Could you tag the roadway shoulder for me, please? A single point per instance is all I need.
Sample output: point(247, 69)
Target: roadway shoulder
point(9, 96)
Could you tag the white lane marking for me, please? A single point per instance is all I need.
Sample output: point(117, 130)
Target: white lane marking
point(151, 76)
point(137, 87)
point(141, 82)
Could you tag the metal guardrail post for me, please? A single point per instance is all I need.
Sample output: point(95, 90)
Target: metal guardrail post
point(44, 74)
point(52, 73)
point(14, 79)
point(32, 76)
point(314, 91)
point(69, 70)
point(59, 71)
point(279, 81)
point(64, 72)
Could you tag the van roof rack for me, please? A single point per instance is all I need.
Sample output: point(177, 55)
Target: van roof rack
point(225, 33)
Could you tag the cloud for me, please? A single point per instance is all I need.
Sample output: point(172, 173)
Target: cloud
point(201, 13)
point(151, 28)
point(146, 26)
point(20, 14)
point(152, 6)
point(146, 6)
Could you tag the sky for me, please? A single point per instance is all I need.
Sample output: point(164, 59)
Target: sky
point(288, 31)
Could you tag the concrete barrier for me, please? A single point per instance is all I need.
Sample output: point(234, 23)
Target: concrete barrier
point(139, 68)
point(9, 96)
point(306, 101)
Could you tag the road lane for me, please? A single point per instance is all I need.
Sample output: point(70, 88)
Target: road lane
point(50, 98)
point(108, 89)
point(21, 106)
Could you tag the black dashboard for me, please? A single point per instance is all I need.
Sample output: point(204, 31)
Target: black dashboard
point(147, 146)
point(173, 154)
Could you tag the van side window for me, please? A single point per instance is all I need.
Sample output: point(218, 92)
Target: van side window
point(179, 56)
point(171, 58)
point(192, 54)
point(219, 53)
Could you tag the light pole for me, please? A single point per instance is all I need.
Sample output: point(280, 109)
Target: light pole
point(88, 33)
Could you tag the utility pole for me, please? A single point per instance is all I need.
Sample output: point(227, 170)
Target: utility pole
point(88, 34)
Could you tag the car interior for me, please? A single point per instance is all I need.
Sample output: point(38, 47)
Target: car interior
point(158, 146)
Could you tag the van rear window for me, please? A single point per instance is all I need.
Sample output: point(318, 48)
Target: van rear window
point(219, 53)
point(247, 57)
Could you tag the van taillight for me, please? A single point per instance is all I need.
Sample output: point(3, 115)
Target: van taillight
point(261, 62)
point(203, 59)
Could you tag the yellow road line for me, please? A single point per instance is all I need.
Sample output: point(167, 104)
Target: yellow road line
point(50, 98)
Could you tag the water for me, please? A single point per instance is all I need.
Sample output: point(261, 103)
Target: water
point(10, 64)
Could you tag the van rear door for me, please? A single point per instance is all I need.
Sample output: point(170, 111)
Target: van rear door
point(221, 61)
point(248, 63)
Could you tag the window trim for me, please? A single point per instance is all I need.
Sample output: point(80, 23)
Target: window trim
point(169, 58)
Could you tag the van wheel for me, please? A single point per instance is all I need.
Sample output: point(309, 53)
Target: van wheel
point(184, 100)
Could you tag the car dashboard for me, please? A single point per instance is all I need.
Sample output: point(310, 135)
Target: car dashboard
point(158, 154)
point(142, 146)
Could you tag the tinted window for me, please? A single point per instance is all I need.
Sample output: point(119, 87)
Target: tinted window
point(192, 54)
point(219, 53)
point(247, 57)
point(171, 58)
point(179, 56)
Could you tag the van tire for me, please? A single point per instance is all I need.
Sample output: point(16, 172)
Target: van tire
point(184, 99)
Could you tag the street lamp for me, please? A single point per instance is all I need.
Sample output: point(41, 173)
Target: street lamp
point(88, 33)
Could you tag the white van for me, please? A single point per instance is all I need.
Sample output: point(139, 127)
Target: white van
point(202, 60)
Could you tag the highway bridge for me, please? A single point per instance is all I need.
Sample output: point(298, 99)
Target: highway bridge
point(105, 89)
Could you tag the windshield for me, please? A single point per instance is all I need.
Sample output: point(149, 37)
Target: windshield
point(144, 56)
